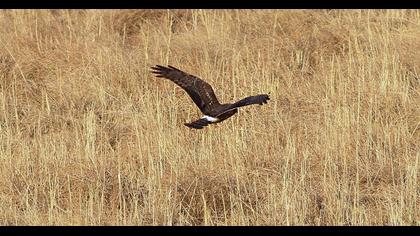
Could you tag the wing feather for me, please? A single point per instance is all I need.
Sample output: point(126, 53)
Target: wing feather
point(257, 99)
point(201, 92)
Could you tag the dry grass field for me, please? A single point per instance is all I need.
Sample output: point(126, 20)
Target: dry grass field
point(88, 136)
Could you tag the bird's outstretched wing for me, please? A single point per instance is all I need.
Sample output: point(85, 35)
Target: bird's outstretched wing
point(257, 99)
point(198, 124)
point(201, 92)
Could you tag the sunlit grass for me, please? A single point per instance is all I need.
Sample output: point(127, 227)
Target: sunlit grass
point(88, 136)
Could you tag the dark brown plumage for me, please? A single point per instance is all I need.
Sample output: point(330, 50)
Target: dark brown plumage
point(203, 96)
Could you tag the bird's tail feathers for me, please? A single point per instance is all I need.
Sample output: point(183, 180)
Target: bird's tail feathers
point(198, 124)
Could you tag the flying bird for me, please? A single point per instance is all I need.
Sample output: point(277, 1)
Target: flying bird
point(203, 96)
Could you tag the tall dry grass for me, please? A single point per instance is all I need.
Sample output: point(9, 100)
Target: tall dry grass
point(88, 136)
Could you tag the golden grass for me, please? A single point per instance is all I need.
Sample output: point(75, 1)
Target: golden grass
point(88, 136)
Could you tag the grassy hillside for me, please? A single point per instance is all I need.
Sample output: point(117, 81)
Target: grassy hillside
point(88, 136)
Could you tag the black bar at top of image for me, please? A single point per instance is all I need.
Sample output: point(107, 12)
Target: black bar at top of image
point(211, 4)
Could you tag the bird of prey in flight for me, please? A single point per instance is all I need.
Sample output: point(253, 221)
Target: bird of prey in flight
point(203, 96)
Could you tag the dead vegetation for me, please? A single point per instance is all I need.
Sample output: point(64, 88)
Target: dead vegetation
point(89, 137)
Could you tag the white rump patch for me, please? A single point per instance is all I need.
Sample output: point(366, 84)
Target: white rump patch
point(209, 118)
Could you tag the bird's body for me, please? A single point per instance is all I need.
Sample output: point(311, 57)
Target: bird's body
point(203, 96)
